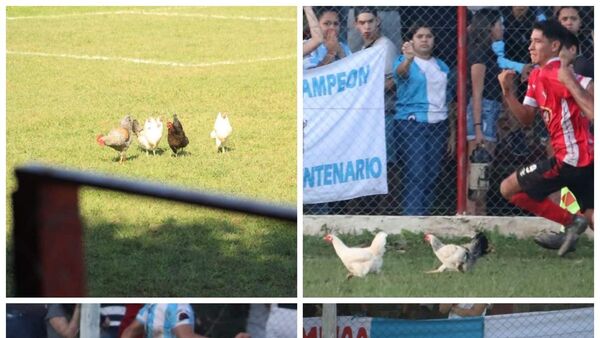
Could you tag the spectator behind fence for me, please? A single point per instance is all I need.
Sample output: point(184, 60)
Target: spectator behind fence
point(282, 321)
point(570, 19)
point(167, 321)
point(25, 320)
point(421, 127)
point(316, 34)
point(257, 320)
point(512, 52)
point(463, 310)
point(485, 102)
point(110, 319)
point(518, 21)
point(368, 25)
point(566, 102)
point(332, 48)
point(62, 320)
point(444, 19)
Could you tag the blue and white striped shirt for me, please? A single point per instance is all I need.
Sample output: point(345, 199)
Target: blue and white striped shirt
point(159, 320)
point(422, 95)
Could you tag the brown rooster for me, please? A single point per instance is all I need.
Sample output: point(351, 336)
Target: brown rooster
point(176, 136)
point(118, 138)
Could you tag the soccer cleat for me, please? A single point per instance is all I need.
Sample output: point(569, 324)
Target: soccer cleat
point(551, 240)
point(576, 228)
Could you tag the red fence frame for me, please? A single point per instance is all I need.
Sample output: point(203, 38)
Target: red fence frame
point(461, 109)
point(48, 232)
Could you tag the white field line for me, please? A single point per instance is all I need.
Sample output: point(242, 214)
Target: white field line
point(151, 62)
point(174, 14)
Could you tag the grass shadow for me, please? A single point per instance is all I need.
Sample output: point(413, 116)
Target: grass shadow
point(205, 258)
point(208, 258)
point(127, 158)
point(181, 153)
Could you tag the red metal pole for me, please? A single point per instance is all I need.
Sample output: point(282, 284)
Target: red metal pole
point(461, 118)
point(48, 240)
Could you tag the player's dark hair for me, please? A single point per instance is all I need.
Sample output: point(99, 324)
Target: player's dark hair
point(358, 10)
point(415, 27)
point(481, 25)
point(570, 40)
point(552, 29)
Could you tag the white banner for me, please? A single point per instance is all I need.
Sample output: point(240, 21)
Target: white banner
point(344, 132)
point(576, 323)
point(347, 327)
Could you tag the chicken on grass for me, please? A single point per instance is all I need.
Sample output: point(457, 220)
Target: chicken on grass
point(150, 134)
point(118, 138)
point(458, 257)
point(221, 131)
point(176, 136)
point(360, 261)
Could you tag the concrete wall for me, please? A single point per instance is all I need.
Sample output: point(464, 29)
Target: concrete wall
point(449, 226)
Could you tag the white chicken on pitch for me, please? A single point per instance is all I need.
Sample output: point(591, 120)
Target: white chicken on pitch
point(458, 257)
point(360, 261)
point(221, 131)
point(150, 134)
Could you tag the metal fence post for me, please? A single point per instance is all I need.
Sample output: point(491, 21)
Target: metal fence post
point(48, 239)
point(461, 112)
point(90, 321)
point(329, 323)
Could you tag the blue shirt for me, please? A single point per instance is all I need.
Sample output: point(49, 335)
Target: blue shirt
point(317, 55)
point(504, 63)
point(159, 320)
point(422, 95)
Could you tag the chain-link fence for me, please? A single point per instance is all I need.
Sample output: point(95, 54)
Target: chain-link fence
point(420, 105)
point(111, 320)
point(426, 320)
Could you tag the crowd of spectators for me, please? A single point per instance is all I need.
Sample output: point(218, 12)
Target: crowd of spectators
point(422, 177)
point(433, 311)
point(138, 320)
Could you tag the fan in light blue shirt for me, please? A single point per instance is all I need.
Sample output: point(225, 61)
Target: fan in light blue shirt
point(163, 321)
point(422, 94)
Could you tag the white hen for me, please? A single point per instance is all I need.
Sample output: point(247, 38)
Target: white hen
point(221, 131)
point(458, 257)
point(360, 261)
point(150, 135)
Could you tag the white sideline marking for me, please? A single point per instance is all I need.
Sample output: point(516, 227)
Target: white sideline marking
point(198, 15)
point(151, 62)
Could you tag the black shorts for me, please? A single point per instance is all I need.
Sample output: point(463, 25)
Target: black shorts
point(541, 179)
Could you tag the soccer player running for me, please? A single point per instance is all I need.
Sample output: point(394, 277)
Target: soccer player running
point(566, 103)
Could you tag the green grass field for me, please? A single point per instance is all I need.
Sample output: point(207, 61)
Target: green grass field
point(517, 268)
point(71, 75)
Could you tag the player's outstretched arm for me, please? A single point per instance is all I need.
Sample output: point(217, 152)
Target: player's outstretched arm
point(525, 114)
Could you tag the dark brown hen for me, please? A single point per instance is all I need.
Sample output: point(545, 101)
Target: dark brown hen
point(176, 136)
